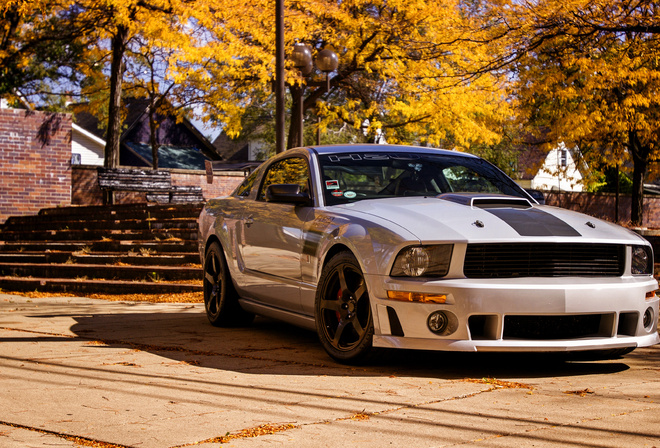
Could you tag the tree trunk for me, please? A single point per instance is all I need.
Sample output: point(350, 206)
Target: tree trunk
point(637, 206)
point(640, 155)
point(153, 135)
point(119, 41)
point(297, 112)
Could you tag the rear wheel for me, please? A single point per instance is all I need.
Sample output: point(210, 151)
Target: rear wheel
point(343, 314)
point(220, 296)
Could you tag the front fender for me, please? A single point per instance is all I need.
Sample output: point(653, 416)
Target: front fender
point(374, 245)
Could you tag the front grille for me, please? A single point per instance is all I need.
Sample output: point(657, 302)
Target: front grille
point(553, 327)
point(544, 260)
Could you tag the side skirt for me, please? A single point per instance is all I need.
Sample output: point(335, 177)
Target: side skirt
point(279, 314)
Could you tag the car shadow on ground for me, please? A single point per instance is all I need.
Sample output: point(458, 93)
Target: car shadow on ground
point(272, 347)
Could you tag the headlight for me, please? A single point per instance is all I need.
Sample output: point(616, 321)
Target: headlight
point(423, 261)
point(642, 260)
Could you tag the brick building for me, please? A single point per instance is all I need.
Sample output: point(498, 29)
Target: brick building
point(35, 161)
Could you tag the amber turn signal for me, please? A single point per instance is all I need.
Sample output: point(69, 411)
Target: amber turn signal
point(406, 296)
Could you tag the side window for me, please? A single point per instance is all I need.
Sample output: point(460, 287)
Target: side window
point(287, 171)
point(246, 187)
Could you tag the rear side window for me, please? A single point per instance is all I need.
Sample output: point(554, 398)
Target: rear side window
point(245, 188)
point(293, 170)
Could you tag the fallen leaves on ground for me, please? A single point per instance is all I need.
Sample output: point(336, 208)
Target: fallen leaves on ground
point(245, 433)
point(581, 393)
point(360, 416)
point(179, 297)
point(78, 440)
point(499, 383)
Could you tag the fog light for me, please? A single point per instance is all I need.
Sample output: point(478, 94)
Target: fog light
point(438, 322)
point(648, 319)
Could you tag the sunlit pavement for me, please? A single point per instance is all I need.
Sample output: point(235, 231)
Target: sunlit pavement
point(79, 371)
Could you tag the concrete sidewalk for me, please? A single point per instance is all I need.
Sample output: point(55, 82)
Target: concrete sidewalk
point(79, 371)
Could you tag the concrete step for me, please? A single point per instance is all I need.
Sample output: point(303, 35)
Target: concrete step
point(97, 235)
point(124, 211)
point(153, 247)
point(124, 249)
point(97, 224)
point(102, 258)
point(95, 286)
point(94, 271)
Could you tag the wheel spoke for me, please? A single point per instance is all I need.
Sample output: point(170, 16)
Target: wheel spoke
point(361, 290)
point(210, 277)
point(338, 333)
point(357, 326)
point(214, 265)
point(342, 278)
point(332, 305)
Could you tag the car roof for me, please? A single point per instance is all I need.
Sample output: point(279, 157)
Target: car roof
point(374, 148)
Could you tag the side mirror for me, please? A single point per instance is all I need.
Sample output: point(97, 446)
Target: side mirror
point(287, 193)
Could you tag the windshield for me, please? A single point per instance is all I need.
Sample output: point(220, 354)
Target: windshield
point(352, 177)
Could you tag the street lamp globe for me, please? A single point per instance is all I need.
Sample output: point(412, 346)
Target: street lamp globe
point(301, 56)
point(327, 60)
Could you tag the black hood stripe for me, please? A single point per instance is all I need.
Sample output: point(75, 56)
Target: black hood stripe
point(533, 222)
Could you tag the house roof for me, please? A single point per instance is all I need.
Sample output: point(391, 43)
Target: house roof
point(170, 156)
point(88, 122)
point(231, 150)
point(175, 152)
point(530, 161)
point(95, 138)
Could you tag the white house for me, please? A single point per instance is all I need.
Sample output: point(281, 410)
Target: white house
point(557, 170)
point(86, 148)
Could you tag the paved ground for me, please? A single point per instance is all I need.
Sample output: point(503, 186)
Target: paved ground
point(79, 371)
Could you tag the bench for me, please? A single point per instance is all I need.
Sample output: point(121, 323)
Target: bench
point(156, 183)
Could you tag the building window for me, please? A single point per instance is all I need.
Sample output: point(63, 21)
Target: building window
point(563, 157)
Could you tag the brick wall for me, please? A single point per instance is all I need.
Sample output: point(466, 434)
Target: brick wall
point(85, 189)
point(603, 206)
point(35, 156)
point(223, 182)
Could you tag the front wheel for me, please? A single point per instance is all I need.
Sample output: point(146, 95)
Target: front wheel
point(343, 314)
point(220, 296)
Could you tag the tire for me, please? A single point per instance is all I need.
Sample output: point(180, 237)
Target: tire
point(220, 296)
point(344, 322)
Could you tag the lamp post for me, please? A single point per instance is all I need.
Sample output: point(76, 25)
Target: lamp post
point(326, 61)
point(301, 56)
point(279, 76)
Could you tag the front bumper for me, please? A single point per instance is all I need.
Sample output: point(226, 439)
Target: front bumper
point(532, 315)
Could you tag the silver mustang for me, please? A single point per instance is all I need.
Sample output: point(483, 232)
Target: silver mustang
point(419, 248)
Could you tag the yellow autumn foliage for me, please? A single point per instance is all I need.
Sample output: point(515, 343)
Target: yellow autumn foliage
point(400, 65)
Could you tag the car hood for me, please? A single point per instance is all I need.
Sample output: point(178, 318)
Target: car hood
point(487, 218)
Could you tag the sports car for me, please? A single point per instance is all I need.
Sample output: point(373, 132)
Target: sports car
point(419, 248)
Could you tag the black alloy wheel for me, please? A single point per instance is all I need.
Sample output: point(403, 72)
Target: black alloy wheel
point(344, 321)
point(220, 296)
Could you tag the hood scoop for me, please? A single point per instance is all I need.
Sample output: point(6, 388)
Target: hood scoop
point(486, 201)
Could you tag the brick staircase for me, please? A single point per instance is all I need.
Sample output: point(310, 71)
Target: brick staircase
point(122, 249)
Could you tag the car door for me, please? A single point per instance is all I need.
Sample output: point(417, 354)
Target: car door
point(272, 240)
